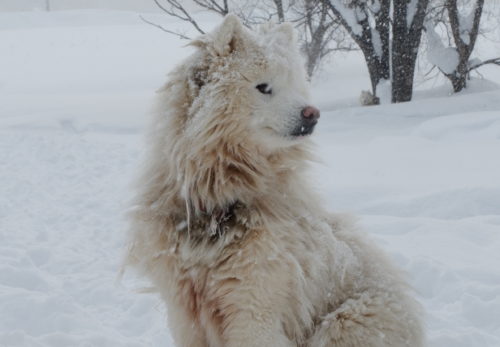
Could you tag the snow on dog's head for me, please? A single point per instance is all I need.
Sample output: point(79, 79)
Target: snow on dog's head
point(234, 112)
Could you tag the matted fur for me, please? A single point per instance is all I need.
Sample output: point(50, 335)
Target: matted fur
point(226, 227)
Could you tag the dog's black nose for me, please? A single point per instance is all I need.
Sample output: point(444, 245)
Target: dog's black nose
point(310, 113)
point(309, 118)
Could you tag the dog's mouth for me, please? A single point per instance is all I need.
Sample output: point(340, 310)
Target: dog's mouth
point(304, 129)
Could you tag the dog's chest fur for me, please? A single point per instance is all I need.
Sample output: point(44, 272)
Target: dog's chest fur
point(209, 261)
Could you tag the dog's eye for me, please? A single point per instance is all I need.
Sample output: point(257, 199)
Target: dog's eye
point(264, 88)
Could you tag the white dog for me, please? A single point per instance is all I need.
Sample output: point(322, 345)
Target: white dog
point(225, 226)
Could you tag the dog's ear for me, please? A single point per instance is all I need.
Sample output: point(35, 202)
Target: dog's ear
point(278, 34)
point(228, 37)
point(225, 39)
point(285, 33)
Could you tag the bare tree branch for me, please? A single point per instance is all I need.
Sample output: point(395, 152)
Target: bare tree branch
point(182, 36)
point(214, 6)
point(175, 5)
point(495, 61)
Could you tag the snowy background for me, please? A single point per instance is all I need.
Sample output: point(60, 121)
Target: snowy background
point(76, 87)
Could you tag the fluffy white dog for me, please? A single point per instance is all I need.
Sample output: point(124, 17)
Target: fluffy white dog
point(225, 226)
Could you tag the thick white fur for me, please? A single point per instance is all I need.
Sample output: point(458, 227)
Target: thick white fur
point(226, 227)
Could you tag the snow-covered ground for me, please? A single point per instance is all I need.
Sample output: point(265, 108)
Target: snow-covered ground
point(75, 91)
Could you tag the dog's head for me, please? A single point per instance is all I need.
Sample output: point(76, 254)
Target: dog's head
point(233, 117)
point(254, 82)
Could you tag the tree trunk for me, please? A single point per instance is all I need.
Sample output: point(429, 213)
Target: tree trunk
point(382, 25)
point(312, 58)
point(316, 45)
point(464, 49)
point(279, 9)
point(458, 78)
point(402, 66)
point(459, 82)
point(378, 70)
point(406, 36)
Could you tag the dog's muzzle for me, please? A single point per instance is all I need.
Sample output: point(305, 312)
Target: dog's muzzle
point(308, 120)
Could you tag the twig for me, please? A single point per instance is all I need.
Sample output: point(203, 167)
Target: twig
point(187, 17)
point(495, 61)
point(182, 36)
point(212, 5)
point(428, 72)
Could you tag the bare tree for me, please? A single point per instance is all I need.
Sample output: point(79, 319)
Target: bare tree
point(465, 35)
point(47, 5)
point(321, 33)
point(389, 55)
point(254, 12)
point(463, 30)
point(220, 7)
point(174, 8)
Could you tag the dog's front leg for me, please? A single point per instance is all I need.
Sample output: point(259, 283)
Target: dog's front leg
point(186, 332)
point(251, 291)
point(255, 329)
point(250, 302)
